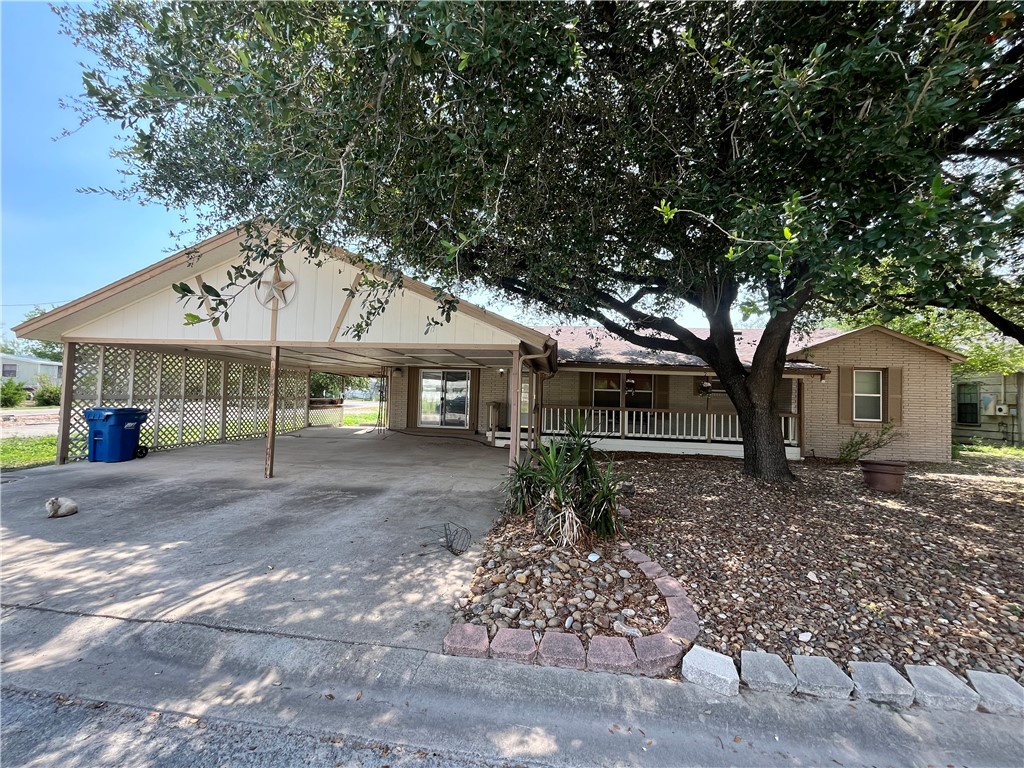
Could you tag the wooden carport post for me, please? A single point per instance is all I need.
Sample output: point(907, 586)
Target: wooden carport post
point(275, 363)
point(67, 401)
point(515, 398)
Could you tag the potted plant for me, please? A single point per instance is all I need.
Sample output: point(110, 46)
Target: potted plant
point(879, 474)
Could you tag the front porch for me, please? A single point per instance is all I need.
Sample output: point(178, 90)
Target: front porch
point(655, 430)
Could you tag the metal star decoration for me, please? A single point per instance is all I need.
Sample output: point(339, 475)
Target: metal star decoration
point(274, 287)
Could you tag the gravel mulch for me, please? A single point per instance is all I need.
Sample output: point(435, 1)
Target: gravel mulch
point(524, 583)
point(822, 567)
point(828, 567)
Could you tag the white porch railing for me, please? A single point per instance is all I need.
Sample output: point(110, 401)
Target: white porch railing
point(656, 424)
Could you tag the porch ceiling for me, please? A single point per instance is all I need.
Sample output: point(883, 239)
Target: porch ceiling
point(353, 360)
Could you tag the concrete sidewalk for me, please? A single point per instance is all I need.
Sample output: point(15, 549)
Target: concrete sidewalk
point(471, 708)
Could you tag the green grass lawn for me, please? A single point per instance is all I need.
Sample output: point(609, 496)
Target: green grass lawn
point(31, 404)
point(1003, 451)
point(25, 452)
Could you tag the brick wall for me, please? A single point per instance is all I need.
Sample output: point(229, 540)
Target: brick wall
point(926, 414)
point(492, 388)
point(563, 388)
point(398, 400)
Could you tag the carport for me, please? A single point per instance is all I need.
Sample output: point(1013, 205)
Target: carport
point(343, 545)
point(127, 345)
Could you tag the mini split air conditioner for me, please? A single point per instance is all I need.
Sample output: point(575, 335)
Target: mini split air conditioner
point(1002, 410)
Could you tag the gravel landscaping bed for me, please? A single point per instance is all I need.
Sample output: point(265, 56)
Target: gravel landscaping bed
point(823, 567)
point(523, 583)
point(827, 567)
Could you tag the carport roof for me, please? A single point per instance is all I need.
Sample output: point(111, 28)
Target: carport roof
point(142, 311)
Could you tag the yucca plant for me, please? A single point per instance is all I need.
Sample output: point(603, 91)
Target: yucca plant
point(570, 489)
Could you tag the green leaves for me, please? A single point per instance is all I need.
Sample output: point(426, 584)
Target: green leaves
point(666, 210)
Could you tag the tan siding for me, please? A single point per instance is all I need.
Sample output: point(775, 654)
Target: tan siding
point(926, 425)
point(993, 428)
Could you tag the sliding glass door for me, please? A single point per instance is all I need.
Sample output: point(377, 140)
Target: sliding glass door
point(444, 399)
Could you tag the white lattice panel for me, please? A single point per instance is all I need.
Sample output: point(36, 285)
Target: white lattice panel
point(191, 400)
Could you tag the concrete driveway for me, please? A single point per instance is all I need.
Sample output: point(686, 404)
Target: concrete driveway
point(338, 546)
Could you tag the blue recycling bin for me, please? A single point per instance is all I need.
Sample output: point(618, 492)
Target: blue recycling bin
point(114, 433)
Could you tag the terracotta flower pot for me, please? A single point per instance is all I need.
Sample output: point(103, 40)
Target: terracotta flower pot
point(883, 475)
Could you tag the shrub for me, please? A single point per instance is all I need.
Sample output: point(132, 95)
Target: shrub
point(12, 394)
point(48, 394)
point(861, 444)
point(569, 491)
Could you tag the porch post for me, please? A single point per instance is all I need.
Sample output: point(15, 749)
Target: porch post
point(67, 402)
point(540, 408)
point(800, 414)
point(515, 397)
point(275, 361)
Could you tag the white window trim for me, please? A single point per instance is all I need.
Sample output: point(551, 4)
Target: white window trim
point(469, 399)
point(880, 395)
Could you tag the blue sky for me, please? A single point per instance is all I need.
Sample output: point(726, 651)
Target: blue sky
point(57, 243)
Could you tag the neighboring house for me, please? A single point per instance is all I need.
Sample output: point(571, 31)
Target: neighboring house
point(27, 371)
point(126, 344)
point(988, 408)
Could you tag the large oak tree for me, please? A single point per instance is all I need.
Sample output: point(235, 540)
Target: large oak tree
point(607, 161)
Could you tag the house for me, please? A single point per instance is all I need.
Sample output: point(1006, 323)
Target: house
point(29, 371)
point(127, 345)
point(987, 408)
point(835, 384)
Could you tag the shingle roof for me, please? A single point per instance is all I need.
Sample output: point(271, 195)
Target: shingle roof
point(584, 344)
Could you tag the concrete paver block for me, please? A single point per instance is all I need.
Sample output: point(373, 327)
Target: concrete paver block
point(466, 640)
point(515, 644)
point(669, 587)
point(656, 654)
point(636, 556)
point(999, 694)
point(681, 631)
point(879, 682)
point(711, 670)
point(610, 654)
point(653, 570)
point(561, 649)
point(938, 688)
point(819, 676)
point(766, 672)
point(681, 608)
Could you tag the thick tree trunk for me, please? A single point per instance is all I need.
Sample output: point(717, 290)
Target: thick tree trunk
point(764, 449)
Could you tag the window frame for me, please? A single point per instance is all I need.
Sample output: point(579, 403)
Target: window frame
point(594, 390)
point(880, 395)
point(976, 403)
point(7, 375)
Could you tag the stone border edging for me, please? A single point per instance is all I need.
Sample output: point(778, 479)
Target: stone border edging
point(931, 687)
point(653, 655)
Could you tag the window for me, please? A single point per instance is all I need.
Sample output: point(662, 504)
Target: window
point(607, 390)
point(444, 399)
point(967, 400)
point(867, 395)
point(643, 391)
point(10, 371)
